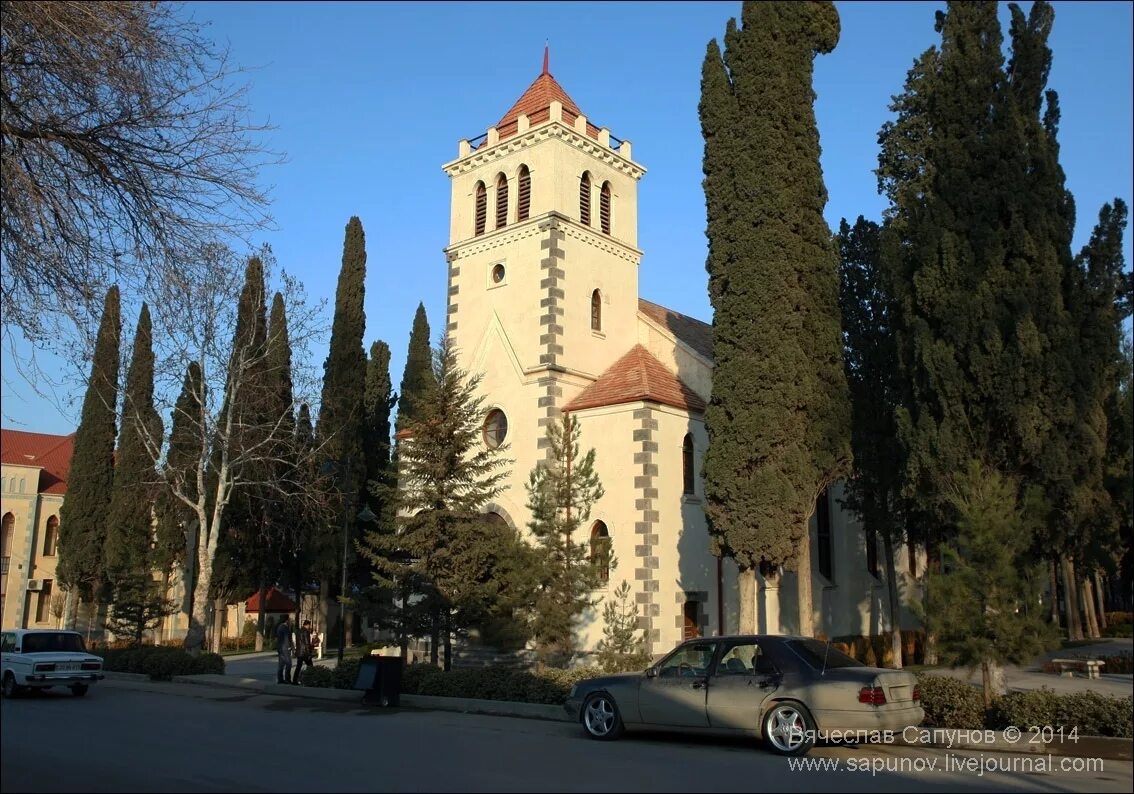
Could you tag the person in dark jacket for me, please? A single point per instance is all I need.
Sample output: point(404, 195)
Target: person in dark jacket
point(283, 651)
point(304, 649)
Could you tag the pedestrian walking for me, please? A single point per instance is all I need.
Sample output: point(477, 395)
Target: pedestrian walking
point(304, 649)
point(283, 651)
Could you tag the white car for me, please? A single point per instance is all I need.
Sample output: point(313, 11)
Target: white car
point(37, 659)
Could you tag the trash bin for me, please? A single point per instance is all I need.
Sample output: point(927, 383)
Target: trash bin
point(380, 677)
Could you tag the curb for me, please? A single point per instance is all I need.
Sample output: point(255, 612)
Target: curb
point(1108, 748)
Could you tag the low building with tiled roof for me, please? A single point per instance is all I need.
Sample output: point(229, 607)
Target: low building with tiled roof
point(543, 304)
point(33, 483)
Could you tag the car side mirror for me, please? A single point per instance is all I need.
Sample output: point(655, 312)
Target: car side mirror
point(651, 672)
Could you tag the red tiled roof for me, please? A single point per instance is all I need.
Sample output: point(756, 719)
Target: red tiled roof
point(50, 452)
point(276, 601)
point(696, 334)
point(637, 376)
point(536, 104)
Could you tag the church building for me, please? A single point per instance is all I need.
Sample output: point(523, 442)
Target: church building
point(543, 302)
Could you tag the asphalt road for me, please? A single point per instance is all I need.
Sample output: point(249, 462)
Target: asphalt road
point(127, 737)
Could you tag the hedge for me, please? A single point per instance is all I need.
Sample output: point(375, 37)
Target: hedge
point(550, 687)
point(953, 703)
point(159, 662)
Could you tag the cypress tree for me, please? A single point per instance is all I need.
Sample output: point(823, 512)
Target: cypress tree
point(418, 380)
point(341, 411)
point(130, 519)
point(378, 401)
point(82, 517)
point(130, 516)
point(873, 493)
point(177, 527)
point(779, 418)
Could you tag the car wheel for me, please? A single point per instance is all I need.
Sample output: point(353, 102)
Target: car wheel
point(78, 690)
point(10, 687)
point(789, 729)
point(601, 719)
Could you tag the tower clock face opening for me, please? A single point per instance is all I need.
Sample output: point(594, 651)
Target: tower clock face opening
point(495, 428)
point(497, 274)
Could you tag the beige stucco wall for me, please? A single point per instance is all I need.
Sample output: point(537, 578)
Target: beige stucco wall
point(30, 511)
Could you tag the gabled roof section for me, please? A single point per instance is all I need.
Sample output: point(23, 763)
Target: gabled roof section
point(535, 103)
point(637, 377)
point(274, 600)
point(51, 453)
point(696, 334)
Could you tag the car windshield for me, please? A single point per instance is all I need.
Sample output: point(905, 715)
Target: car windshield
point(50, 642)
point(821, 655)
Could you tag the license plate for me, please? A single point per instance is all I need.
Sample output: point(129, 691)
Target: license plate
point(900, 693)
point(67, 667)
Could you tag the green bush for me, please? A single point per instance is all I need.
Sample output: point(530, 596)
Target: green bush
point(1023, 709)
point(346, 673)
point(1095, 714)
point(160, 662)
point(321, 677)
point(950, 702)
point(1118, 630)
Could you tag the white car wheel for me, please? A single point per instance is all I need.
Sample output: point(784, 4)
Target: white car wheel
point(789, 729)
point(601, 719)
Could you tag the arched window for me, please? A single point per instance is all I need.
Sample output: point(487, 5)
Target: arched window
point(585, 199)
point(51, 537)
point(690, 620)
point(495, 428)
point(604, 208)
point(600, 550)
point(596, 311)
point(501, 201)
point(8, 528)
point(687, 464)
point(524, 196)
point(481, 207)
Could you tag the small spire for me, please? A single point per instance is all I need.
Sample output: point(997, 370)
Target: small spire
point(546, 48)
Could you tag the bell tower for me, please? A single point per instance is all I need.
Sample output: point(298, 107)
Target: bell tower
point(543, 257)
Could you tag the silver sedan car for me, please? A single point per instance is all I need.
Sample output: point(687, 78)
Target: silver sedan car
point(788, 691)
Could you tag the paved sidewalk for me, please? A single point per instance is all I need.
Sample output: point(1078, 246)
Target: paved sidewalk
point(1019, 679)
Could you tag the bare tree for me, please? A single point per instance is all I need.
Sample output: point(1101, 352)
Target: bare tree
point(231, 447)
point(125, 141)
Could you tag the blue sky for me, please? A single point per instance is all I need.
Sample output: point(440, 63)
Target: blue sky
point(369, 99)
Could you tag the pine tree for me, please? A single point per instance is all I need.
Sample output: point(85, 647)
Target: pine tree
point(418, 379)
point(562, 489)
point(139, 606)
point(779, 418)
point(986, 594)
point(130, 516)
point(459, 559)
point(621, 649)
point(341, 413)
point(873, 492)
point(82, 518)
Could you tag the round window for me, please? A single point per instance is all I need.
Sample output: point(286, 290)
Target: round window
point(497, 274)
point(495, 428)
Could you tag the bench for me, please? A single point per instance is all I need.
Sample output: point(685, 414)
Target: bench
point(1067, 667)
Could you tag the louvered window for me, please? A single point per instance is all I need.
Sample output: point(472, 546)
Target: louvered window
point(596, 311)
point(524, 197)
point(501, 201)
point(604, 208)
point(585, 199)
point(481, 207)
